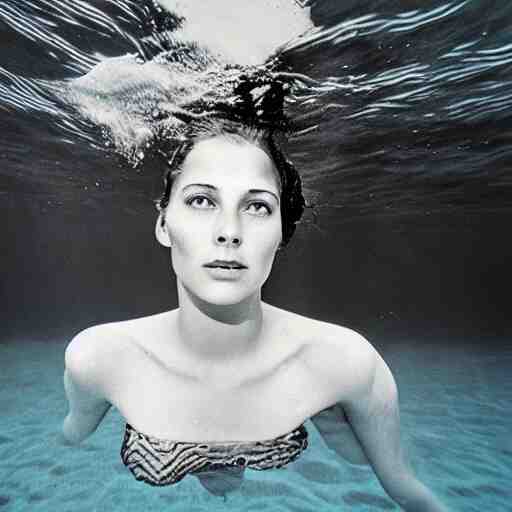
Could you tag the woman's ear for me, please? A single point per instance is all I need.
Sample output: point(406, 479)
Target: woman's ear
point(161, 232)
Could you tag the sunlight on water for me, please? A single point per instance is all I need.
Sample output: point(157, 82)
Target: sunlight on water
point(245, 32)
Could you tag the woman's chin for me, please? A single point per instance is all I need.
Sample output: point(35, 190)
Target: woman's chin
point(221, 294)
point(224, 298)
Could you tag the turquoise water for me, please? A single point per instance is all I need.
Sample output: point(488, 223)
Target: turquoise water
point(455, 415)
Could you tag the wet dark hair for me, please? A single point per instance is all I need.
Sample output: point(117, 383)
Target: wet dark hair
point(292, 200)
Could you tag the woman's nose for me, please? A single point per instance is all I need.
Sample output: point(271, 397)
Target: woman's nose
point(227, 240)
point(228, 231)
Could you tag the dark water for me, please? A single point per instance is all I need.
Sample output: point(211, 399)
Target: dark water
point(404, 148)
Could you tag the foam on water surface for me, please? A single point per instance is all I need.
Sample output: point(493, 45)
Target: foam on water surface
point(242, 31)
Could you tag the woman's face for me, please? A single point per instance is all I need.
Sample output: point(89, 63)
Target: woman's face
point(224, 211)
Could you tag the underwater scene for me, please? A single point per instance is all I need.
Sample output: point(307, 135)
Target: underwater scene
point(400, 125)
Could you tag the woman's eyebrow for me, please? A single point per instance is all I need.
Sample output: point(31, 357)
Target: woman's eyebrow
point(212, 187)
point(207, 185)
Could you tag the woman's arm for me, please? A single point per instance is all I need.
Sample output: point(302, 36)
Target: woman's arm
point(373, 412)
point(84, 379)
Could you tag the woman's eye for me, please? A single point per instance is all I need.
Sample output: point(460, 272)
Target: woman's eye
point(204, 203)
point(199, 202)
point(261, 208)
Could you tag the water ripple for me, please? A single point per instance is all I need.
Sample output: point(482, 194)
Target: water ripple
point(392, 106)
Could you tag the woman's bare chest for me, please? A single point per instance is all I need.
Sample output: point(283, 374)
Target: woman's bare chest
point(170, 402)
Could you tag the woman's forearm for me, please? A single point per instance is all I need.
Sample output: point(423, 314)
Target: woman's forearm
point(419, 498)
point(74, 431)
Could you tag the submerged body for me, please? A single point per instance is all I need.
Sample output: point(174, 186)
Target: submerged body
point(225, 367)
point(164, 395)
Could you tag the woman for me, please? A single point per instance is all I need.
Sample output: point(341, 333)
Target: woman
point(226, 381)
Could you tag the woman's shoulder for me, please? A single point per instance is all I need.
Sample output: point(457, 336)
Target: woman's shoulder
point(321, 334)
point(89, 358)
point(92, 346)
point(110, 340)
point(97, 355)
point(336, 354)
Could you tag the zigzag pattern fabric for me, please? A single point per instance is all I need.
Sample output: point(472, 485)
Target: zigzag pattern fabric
point(163, 462)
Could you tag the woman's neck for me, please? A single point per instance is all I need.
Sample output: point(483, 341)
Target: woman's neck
point(217, 334)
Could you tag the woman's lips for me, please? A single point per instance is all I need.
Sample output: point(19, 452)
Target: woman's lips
point(225, 273)
point(227, 264)
point(228, 267)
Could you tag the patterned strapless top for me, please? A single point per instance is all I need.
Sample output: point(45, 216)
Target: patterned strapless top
point(162, 462)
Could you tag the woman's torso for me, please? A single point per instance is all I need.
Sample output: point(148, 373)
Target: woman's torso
point(163, 394)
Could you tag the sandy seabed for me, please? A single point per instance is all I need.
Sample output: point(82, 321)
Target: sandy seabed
point(456, 425)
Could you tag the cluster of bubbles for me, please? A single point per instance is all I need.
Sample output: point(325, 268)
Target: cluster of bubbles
point(137, 103)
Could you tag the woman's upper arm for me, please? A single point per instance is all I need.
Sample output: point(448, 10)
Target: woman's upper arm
point(86, 376)
point(372, 408)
